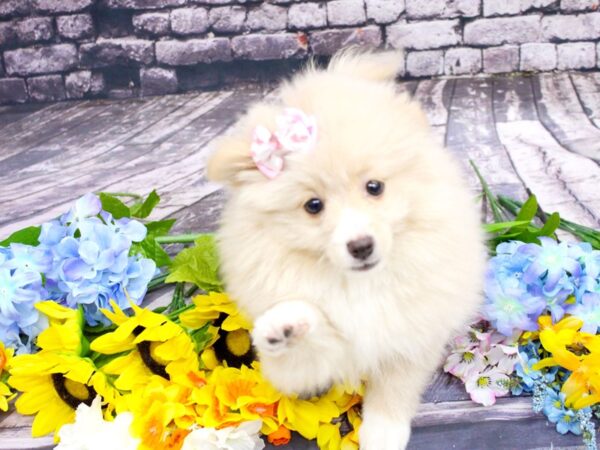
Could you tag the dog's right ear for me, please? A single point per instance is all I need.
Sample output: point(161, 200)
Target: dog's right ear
point(230, 159)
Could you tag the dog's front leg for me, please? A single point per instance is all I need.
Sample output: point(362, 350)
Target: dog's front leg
point(299, 350)
point(391, 399)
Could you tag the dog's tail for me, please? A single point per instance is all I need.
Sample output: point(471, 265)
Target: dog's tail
point(376, 66)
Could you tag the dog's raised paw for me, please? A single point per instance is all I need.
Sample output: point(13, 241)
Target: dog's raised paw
point(282, 326)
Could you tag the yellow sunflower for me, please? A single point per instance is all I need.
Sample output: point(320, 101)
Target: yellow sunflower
point(153, 345)
point(6, 394)
point(59, 377)
point(229, 328)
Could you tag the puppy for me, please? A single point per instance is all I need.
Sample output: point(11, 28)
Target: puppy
point(350, 238)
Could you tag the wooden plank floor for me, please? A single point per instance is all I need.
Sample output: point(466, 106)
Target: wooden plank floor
point(540, 133)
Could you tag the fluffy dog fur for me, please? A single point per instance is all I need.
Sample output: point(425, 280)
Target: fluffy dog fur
point(317, 319)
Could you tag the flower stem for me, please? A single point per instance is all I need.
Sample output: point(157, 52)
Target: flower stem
point(179, 239)
point(158, 281)
point(496, 210)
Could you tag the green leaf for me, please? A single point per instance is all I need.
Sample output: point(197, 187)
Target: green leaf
point(160, 227)
point(499, 226)
point(551, 225)
point(143, 210)
point(528, 210)
point(149, 248)
point(114, 206)
point(198, 265)
point(28, 236)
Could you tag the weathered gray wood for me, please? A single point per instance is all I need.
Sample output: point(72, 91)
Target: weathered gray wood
point(173, 169)
point(472, 135)
point(560, 112)
point(434, 96)
point(513, 99)
point(587, 86)
point(561, 180)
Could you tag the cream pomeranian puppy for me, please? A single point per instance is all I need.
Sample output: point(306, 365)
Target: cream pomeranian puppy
point(350, 238)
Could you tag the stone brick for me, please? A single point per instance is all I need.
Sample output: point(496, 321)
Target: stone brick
point(571, 28)
point(8, 34)
point(424, 35)
point(154, 23)
point(598, 54)
point(227, 19)
point(61, 6)
point(501, 59)
point(47, 88)
point(461, 61)
point(384, 11)
point(503, 30)
point(77, 26)
point(576, 55)
point(267, 17)
point(512, 7)
point(189, 20)
point(193, 51)
point(307, 15)
point(31, 61)
point(346, 12)
point(1, 68)
point(142, 4)
point(114, 23)
point(420, 9)
point(119, 51)
point(83, 83)
point(579, 5)
point(501, 7)
point(12, 90)
point(423, 64)
point(538, 57)
point(10, 8)
point(34, 29)
point(158, 81)
point(200, 76)
point(327, 42)
point(259, 47)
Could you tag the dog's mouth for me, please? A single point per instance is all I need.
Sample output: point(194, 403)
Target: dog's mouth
point(366, 266)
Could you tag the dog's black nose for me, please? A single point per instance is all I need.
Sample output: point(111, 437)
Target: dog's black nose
point(361, 248)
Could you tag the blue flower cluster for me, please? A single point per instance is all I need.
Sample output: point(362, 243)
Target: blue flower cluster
point(83, 259)
point(526, 280)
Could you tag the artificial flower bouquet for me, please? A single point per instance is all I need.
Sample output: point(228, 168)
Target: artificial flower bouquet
point(538, 333)
point(97, 369)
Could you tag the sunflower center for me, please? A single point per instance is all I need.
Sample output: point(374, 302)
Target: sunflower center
point(238, 342)
point(72, 392)
point(145, 349)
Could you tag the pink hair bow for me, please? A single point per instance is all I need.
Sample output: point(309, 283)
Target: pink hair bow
point(296, 132)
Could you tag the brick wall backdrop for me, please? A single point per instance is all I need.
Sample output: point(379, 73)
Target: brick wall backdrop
point(65, 49)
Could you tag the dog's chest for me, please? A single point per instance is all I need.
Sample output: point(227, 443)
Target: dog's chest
point(373, 323)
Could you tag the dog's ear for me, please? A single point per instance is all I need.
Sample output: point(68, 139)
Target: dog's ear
point(369, 65)
point(231, 162)
point(231, 157)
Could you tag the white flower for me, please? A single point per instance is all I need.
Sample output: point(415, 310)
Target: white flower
point(242, 437)
point(485, 386)
point(462, 363)
point(91, 432)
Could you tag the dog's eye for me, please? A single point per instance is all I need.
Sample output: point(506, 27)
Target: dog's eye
point(375, 187)
point(314, 206)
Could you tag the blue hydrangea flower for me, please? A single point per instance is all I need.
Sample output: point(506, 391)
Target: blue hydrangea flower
point(85, 261)
point(588, 310)
point(510, 307)
point(552, 261)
